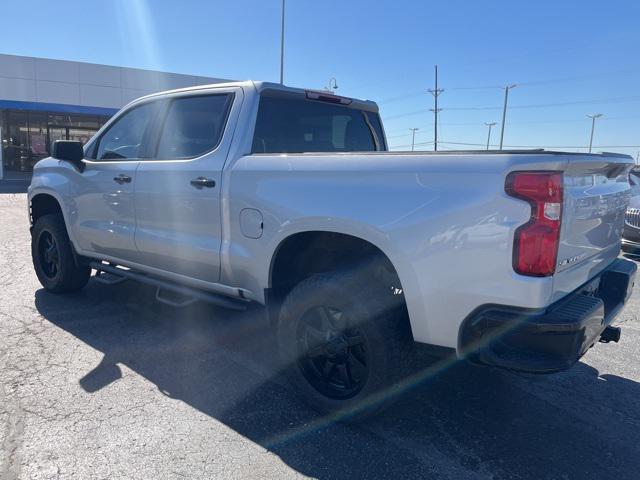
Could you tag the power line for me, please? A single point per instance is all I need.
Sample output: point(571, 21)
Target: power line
point(526, 122)
point(392, 77)
point(407, 114)
point(634, 98)
point(601, 101)
point(408, 145)
point(400, 97)
point(533, 83)
point(579, 78)
point(398, 136)
point(483, 87)
point(551, 81)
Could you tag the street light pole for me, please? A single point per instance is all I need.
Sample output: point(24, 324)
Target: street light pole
point(504, 110)
point(489, 124)
point(413, 137)
point(332, 85)
point(282, 46)
point(593, 127)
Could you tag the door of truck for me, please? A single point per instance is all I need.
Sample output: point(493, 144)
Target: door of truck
point(103, 210)
point(178, 190)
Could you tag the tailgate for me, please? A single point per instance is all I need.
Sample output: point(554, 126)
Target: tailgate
point(596, 193)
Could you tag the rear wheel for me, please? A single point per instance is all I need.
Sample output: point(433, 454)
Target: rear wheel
point(346, 343)
point(53, 259)
point(333, 354)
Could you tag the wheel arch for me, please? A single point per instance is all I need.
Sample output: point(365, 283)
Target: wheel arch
point(304, 253)
point(43, 202)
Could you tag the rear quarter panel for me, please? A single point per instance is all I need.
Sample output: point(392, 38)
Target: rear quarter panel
point(444, 221)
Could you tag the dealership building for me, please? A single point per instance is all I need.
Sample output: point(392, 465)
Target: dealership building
point(43, 100)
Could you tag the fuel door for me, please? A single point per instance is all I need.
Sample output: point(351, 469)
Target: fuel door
point(251, 223)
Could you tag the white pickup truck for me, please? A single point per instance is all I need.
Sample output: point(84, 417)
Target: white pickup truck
point(256, 192)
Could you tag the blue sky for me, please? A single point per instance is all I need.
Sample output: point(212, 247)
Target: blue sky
point(583, 55)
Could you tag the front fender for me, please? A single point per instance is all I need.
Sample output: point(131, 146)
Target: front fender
point(51, 177)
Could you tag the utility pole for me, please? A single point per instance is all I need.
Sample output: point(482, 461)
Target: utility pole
point(435, 92)
point(489, 124)
point(413, 137)
point(504, 110)
point(593, 127)
point(282, 46)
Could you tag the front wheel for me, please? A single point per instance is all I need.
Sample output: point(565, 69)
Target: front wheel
point(52, 255)
point(346, 343)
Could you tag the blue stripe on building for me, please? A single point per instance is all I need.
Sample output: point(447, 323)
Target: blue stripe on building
point(56, 108)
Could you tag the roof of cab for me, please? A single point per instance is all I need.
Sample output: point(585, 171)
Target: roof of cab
point(263, 87)
point(278, 87)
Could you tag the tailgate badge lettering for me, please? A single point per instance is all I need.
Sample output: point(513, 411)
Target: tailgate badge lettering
point(570, 260)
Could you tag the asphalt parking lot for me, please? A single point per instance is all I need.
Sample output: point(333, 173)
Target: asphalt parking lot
point(108, 384)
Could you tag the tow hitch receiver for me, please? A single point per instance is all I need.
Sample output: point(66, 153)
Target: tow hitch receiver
point(610, 334)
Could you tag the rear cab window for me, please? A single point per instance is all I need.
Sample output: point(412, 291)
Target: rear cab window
point(295, 124)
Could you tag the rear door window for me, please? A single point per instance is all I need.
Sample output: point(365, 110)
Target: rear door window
point(193, 126)
point(294, 125)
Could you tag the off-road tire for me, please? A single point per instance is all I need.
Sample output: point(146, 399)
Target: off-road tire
point(67, 276)
point(381, 318)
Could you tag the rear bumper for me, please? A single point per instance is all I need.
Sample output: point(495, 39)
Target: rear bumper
point(551, 339)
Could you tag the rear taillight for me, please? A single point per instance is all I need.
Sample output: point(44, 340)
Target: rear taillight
point(535, 247)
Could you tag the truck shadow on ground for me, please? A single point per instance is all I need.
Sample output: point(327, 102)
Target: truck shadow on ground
point(457, 421)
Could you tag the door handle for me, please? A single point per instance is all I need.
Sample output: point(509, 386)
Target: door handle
point(122, 178)
point(202, 182)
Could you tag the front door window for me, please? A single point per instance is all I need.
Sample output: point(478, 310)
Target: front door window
point(124, 138)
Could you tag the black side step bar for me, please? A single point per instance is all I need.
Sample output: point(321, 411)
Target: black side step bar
point(183, 290)
point(108, 278)
point(174, 299)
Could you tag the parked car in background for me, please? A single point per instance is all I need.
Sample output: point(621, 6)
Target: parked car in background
point(631, 232)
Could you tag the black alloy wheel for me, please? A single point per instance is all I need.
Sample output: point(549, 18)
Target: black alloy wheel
point(48, 254)
point(58, 269)
point(332, 354)
point(345, 343)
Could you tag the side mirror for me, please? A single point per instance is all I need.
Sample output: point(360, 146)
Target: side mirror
point(70, 151)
